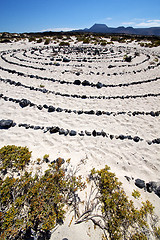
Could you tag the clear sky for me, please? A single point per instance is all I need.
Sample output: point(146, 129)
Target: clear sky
point(57, 15)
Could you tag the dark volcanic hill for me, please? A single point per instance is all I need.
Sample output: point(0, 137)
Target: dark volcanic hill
point(102, 28)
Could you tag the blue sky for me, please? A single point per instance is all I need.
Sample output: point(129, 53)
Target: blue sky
point(57, 15)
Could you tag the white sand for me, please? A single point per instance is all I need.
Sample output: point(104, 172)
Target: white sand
point(125, 157)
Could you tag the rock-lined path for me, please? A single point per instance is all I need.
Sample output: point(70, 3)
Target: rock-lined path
point(94, 105)
point(82, 75)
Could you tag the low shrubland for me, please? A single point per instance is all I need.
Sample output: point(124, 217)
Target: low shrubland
point(33, 205)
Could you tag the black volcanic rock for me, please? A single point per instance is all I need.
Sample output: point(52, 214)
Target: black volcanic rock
point(24, 103)
point(140, 183)
point(5, 124)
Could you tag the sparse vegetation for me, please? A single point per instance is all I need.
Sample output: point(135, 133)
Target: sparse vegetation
point(136, 194)
point(127, 58)
point(47, 41)
point(64, 44)
point(32, 39)
point(39, 40)
point(118, 218)
point(13, 158)
point(36, 203)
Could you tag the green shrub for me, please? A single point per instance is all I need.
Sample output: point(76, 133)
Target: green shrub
point(12, 156)
point(47, 41)
point(32, 39)
point(118, 218)
point(36, 202)
point(64, 44)
point(103, 43)
point(86, 40)
point(136, 194)
point(39, 40)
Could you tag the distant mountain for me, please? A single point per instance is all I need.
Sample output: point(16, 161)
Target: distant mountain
point(103, 28)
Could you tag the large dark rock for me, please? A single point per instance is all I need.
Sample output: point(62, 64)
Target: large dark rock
point(59, 109)
point(24, 103)
point(5, 124)
point(136, 139)
point(127, 58)
point(140, 183)
point(77, 82)
point(86, 83)
point(54, 129)
point(157, 140)
point(61, 131)
point(153, 186)
point(94, 133)
point(66, 60)
point(122, 137)
point(99, 85)
point(51, 109)
point(72, 133)
point(158, 191)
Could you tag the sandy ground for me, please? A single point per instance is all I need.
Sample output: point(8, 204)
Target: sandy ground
point(125, 157)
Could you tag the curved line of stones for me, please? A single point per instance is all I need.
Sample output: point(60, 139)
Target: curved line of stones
point(94, 133)
point(27, 103)
point(44, 90)
point(45, 57)
point(124, 65)
point(109, 74)
point(57, 59)
point(61, 59)
point(78, 82)
point(21, 65)
point(113, 74)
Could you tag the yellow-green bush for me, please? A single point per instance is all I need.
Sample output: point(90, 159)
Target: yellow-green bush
point(36, 202)
point(12, 156)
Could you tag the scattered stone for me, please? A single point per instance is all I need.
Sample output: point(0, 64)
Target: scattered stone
point(5, 124)
point(127, 58)
point(59, 109)
point(51, 109)
point(66, 60)
point(24, 103)
point(103, 133)
point(99, 85)
point(77, 82)
point(128, 178)
point(98, 113)
point(72, 133)
point(37, 127)
point(140, 183)
point(61, 131)
point(136, 139)
point(149, 142)
point(66, 132)
point(122, 137)
point(81, 134)
point(40, 107)
point(111, 66)
point(152, 114)
point(88, 133)
point(54, 129)
point(157, 140)
point(94, 133)
point(45, 106)
point(86, 83)
point(111, 136)
point(158, 191)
